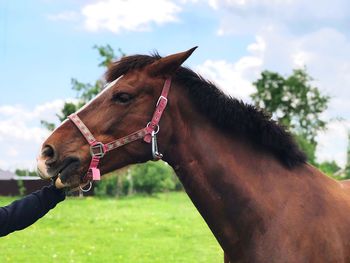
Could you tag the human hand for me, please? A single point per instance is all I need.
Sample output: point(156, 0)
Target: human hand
point(59, 184)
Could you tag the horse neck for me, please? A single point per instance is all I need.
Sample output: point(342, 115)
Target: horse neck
point(225, 177)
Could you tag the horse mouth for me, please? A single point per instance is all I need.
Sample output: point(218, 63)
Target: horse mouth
point(65, 171)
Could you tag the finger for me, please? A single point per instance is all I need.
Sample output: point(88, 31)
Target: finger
point(59, 184)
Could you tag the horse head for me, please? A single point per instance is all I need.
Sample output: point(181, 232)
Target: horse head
point(128, 104)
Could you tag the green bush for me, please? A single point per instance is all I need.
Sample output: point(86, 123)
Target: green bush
point(153, 177)
point(149, 178)
point(113, 184)
point(21, 187)
point(106, 187)
point(333, 170)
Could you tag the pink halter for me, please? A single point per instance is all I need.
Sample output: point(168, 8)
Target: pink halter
point(148, 133)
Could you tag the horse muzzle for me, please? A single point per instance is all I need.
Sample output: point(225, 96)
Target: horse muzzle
point(47, 158)
point(49, 166)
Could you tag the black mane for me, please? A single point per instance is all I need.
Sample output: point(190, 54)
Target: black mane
point(225, 112)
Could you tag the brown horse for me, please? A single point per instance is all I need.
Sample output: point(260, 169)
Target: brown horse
point(242, 171)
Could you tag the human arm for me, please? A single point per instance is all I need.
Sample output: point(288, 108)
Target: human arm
point(24, 212)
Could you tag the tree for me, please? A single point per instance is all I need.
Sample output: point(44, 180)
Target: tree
point(329, 168)
point(48, 125)
point(308, 147)
point(25, 172)
point(347, 165)
point(86, 91)
point(153, 177)
point(295, 103)
point(148, 178)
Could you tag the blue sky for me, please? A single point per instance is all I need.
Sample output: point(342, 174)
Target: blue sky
point(44, 43)
point(46, 52)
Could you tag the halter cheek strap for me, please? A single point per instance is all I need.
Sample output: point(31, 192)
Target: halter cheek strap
point(160, 107)
point(148, 133)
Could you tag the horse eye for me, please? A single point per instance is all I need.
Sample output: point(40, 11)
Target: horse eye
point(122, 97)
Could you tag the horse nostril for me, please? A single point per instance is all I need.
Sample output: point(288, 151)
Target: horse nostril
point(49, 154)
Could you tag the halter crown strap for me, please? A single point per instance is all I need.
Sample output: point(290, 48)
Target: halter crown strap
point(160, 107)
point(98, 149)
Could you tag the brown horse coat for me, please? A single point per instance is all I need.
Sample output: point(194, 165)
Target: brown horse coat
point(243, 172)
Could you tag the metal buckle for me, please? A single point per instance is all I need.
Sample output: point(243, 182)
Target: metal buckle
point(97, 150)
point(156, 155)
point(161, 97)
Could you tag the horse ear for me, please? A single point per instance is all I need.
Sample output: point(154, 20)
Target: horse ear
point(169, 64)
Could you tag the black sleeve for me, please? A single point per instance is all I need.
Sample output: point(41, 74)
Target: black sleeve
point(24, 212)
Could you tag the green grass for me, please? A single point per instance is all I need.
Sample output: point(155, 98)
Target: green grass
point(166, 228)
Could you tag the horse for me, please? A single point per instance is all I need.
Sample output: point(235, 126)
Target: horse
point(242, 170)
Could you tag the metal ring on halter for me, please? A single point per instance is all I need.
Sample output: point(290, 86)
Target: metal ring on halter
point(86, 190)
point(157, 127)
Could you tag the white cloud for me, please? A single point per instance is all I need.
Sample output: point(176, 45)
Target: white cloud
point(231, 77)
point(189, 1)
point(249, 16)
point(325, 52)
point(21, 134)
point(120, 15)
point(289, 34)
point(132, 15)
point(332, 144)
point(236, 78)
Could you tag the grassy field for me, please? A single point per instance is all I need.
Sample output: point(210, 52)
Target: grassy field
point(166, 228)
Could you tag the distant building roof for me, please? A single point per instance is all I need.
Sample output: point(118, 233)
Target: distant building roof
point(6, 175)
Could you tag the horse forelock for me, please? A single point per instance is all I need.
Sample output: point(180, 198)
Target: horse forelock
point(129, 63)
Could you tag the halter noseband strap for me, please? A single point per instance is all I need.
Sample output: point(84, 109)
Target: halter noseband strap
point(148, 133)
